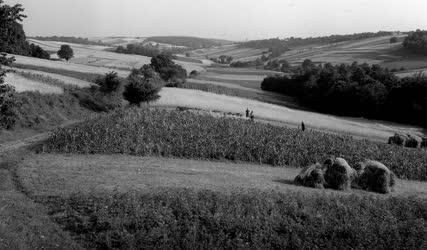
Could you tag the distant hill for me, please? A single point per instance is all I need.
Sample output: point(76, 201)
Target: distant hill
point(68, 39)
point(187, 41)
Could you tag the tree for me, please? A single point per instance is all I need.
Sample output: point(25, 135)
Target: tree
point(170, 72)
point(8, 101)
point(143, 86)
point(65, 52)
point(416, 42)
point(394, 40)
point(109, 83)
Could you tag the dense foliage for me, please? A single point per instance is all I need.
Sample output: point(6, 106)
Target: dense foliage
point(173, 74)
point(275, 46)
point(8, 100)
point(12, 35)
point(147, 49)
point(190, 219)
point(69, 39)
point(109, 83)
point(355, 90)
point(187, 135)
point(65, 52)
point(189, 42)
point(222, 59)
point(143, 85)
point(416, 42)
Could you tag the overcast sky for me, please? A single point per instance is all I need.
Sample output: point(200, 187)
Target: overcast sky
point(228, 19)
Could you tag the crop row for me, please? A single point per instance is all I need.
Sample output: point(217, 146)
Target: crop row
point(187, 135)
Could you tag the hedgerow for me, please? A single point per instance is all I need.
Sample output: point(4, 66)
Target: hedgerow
point(187, 135)
point(188, 219)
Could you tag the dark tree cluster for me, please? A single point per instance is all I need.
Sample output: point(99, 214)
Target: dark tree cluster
point(65, 52)
point(355, 90)
point(69, 39)
point(173, 74)
point(223, 59)
point(189, 42)
point(416, 42)
point(12, 35)
point(147, 50)
point(143, 85)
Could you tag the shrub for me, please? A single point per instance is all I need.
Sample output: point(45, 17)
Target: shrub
point(194, 73)
point(187, 135)
point(413, 142)
point(8, 106)
point(65, 52)
point(189, 219)
point(109, 83)
point(143, 86)
point(397, 139)
point(393, 39)
point(173, 74)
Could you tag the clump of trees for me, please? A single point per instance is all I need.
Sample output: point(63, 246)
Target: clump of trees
point(173, 74)
point(12, 35)
point(109, 83)
point(65, 52)
point(416, 42)
point(223, 59)
point(394, 40)
point(143, 85)
point(147, 50)
point(355, 90)
point(275, 46)
point(8, 100)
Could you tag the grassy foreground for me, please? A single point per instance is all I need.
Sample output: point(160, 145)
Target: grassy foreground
point(187, 135)
point(187, 219)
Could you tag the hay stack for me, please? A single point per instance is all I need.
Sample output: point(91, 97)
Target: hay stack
point(374, 176)
point(398, 139)
point(311, 176)
point(338, 175)
point(413, 141)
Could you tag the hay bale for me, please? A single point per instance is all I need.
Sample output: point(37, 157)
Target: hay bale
point(374, 176)
point(338, 175)
point(424, 142)
point(311, 176)
point(413, 141)
point(398, 139)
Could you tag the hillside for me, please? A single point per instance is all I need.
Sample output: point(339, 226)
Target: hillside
point(187, 41)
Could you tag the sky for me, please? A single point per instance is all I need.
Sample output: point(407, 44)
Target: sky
point(236, 20)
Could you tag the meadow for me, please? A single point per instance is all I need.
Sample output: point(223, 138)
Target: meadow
point(145, 132)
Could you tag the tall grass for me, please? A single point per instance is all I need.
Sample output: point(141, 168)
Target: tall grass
point(186, 219)
point(187, 135)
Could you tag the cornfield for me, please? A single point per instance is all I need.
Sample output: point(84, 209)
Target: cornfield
point(184, 134)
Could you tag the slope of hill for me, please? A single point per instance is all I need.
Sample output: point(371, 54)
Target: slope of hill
point(187, 41)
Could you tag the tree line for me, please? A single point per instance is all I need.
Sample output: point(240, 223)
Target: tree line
point(416, 42)
point(147, 50)
point(360, 90)
point(70, 39)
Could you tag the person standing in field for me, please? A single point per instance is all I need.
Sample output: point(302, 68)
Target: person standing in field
point(252, 115)
point(302, 126)
point(247, 112)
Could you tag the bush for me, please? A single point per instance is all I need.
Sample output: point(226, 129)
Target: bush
point(37, 51)
point(183, 134)
point(189, 219)
point(173, 74)
point(109, 83)
point(394, 40)
point(143, 86)
point(416, 42)
point(194, 73)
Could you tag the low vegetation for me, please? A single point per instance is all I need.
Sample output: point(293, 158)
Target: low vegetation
point(173, 74)
point(143, 85)
point(355, 90)
point(187, 135)
point(188, 219)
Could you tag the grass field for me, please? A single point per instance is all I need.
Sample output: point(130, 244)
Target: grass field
point(22, 84)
